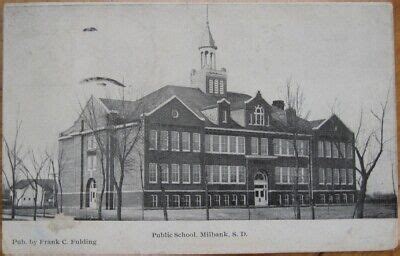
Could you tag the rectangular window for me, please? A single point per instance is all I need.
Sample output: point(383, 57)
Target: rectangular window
point(328, 149)
point(350, 176)
point(285, 174)
point(224, 143)
point(349, 151)
point(196, 173)
point(153, 140)
point(320, 149)
point(174, 173)
point(277, 146)
point(264, 146)
point(224, 116)
point(207, 143)
point(287, 199)
point(284, 147)
point(292, 173)
point(243, 199)
point(92, 142)
point(186, 173)
point(185, 141)
point(196, 142)
point(226, 200)
point(303, 175)
point(224, 174)
point(186, 202)
point(241, 145)
point(235, 200)
point(152, 173)
point(164, 173)
point(344, 198)
point(322, 198)
point(232, 144)
point(328, 174)
point(254, 146)
point(337, 198)
point(209, 201)
point(92, 163)
point(167, 200)
point(330, 199)
point(154, 201)
point(342, 148)
point(352, 198)
point(291, 147)
point(321, 176)
point(216, 174)
point(302, 147)
point(279, 199)
point(175, 201)
point(215, 143)
point(198, 200)
point(336, 178)
point(335, 150)
point(174, 141)
point(233, 174)
point(210, 86)
point(242, 174)
point(164, 140)
point(278, 175)
point(343, 178)
point(209, 172)
point(217, 200)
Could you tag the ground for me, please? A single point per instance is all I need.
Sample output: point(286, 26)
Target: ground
point(270, 213)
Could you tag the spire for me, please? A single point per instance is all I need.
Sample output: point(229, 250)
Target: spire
point(207, 38)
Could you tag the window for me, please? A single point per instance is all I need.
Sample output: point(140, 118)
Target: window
point(344, 198)
point(153, 140)
point(242, 174)
point(279, 199)
point(349, 151)
point(186, 201)
point(217, 200)
point(174, 173)
point(278, 175)
point(350, 176)
point(336, 178)
point(292, 173)
point(284, 147)
point(291, 148)
point(210, 86)
point(224, 174)
point(216, 86)
point(342, 147)
point(235, 200)
point(302, 147)
point(343, 174)
point(328, 174)
point(232, 144)
point(164, 173)
point(254, 146)
point(209, 173)
point(321, 176)
point(337, 198)
point(196, 142)
point(91, 164)
point(216, 174)
point(207, 143)
point(224, 116)
point(226, 200)
point(322, 198)
point(301, 199)
point(154, 200)
point(243, 199)
point(241, 145)
point(185, 173)
point(352, 198)
point(224, 143)
point(92, 142)
point(175, 200)
point(285, 174)
point(209, 201)
point(335, 150)
point(264, 146)
point(303, 176)
point(198, 200)
point(328, 149)
point(215, 143)
point(259, 115)
point(196, 173)
point(232, 174)
point(276, 143)
point(320, 149)
point(221, 86)
point(330, 199)
point(286, 199)
point(185, 141)
point(174, 141)
point(152, 173)
point(167, 200)
point(164, 140)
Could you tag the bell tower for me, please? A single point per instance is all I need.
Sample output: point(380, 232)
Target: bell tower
point(208, 78)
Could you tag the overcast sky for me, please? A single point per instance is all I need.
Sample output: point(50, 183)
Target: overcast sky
point(339, 53)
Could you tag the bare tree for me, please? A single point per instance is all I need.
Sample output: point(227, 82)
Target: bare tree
point(295, 117)
point(56, 169)
point(369, 149)
point(14, 157)
point(33, 175)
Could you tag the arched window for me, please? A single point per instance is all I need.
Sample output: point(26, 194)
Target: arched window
point(210, 86)
point(259, 115)
point(216, 86)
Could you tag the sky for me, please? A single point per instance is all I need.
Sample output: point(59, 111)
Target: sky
point(342, 55)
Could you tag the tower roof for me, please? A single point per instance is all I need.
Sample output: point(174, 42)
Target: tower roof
point(207, 40)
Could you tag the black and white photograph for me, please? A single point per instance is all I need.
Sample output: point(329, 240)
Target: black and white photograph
point(198, 112)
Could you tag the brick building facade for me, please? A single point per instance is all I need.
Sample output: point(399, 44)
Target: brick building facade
point(203, 144)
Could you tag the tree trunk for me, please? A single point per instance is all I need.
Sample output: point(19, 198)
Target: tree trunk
point(14, 195)
point(164, 203)
point(100, 207)
point(61, 197)
point(119, 203)
point(35, 203)
point(361, 199)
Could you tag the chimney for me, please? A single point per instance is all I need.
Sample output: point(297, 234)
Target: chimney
point(279, 104)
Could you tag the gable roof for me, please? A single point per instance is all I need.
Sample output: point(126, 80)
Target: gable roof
point(46, 184)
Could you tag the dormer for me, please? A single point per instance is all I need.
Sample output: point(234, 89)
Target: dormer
point(224, 111)
point(257, 112)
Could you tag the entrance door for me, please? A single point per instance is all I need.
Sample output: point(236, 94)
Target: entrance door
point(92, 194)
point(260, 190)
